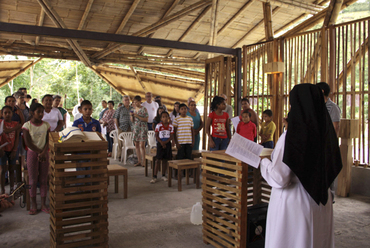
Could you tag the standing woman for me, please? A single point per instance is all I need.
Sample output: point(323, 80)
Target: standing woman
point(21, 105)
point(305, 161)
point(63, 112)
point(108, 122)
point(198, 123)
point(139, 118)
point(175, 112)
point(52, 115)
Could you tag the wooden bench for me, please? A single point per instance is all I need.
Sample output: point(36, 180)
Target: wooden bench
point(149, 157)
point(184, 164)
point(117, 170)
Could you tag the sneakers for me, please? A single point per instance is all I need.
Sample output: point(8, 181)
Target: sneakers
point(154, 180)
point(164, 179)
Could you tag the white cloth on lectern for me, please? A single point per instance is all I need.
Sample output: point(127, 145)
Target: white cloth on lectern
point(293, 218)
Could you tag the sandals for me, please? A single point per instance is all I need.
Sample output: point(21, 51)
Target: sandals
point(32, 212)
point(46, 210)
point(138, 164)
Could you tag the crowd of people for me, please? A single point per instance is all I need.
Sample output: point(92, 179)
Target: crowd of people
point(313, 124)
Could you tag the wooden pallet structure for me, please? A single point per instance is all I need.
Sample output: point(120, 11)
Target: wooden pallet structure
point(229, 188)
point(78, 198)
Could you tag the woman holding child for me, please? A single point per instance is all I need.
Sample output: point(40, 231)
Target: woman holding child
point(139, 118)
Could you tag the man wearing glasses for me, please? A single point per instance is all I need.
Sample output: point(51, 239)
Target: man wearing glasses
point(151, 107)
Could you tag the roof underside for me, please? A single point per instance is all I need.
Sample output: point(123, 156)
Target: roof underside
point(238, 22)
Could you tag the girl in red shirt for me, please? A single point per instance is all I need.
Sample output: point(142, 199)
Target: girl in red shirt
point(246, 127)
point(10, 134)
point(219, 120)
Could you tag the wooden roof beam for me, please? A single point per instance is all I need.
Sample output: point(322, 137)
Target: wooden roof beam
point(274, 12)
point(150, 29)
point(309, 23)
point(40, 23)
point(20, 72)
point(332, 12)
point(181, 72)
point(173, 5)
point(127, 16)
point(148, 80)
point(294, 5)
point(267, 19)
point(53, 15)
point(138, 78)
point(236, 15)
point(85, 14)
point(192, 25)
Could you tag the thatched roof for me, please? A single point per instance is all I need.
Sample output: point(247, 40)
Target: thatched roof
point(234, 23)
point(12, 68)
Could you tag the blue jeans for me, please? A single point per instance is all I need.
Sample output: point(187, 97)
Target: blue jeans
point(268, 144)
point(110, 142)
point(220, 144)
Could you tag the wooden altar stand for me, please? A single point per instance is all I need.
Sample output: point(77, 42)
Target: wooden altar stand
point(78, 199)
point(230, 187)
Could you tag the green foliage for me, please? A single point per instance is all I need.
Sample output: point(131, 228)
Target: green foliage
point(60, 77)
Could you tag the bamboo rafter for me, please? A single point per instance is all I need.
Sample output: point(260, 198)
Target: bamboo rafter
point(53, 15)
point(148, 30)
point(294, 5)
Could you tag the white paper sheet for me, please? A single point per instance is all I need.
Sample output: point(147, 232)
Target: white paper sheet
point(245, 150)
point(235, 120)
point(6, 143)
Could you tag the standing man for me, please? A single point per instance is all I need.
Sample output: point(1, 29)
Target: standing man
point(122, 118)
point(228, 110)
point(333, 109)
point(151, 107)
point(75, 108)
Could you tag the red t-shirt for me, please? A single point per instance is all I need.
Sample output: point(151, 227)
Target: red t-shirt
point(247, 130)
point(8, 137)
point(164, 131)
point(219, 124)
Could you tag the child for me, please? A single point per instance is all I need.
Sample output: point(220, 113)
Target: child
point(221, 134)
point(267, 129)
point(246, 127)
point(139, 118)
point(164, 134)
point(36, 137)
point(157, 118)
point(184, 133)
point(254, 117)
point(87, 124)
point(10, 135)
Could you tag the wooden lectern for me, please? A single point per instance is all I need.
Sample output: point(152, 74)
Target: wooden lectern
point(348, 130)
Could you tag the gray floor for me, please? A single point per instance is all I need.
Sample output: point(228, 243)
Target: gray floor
point(158, 216)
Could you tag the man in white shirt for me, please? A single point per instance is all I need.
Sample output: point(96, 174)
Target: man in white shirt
point(151, 107)
point(333, 109)
point(75, 108)
point(228, 109)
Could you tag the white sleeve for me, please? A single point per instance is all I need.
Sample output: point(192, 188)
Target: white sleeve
point(75, 110)
point(276, 173)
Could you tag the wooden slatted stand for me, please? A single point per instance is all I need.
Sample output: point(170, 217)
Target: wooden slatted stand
point(78, 206)
point(229, 188)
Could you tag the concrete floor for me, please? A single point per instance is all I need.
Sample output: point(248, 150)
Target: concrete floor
point(158, 216)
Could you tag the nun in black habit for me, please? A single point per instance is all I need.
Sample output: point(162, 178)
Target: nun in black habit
point(305, 161)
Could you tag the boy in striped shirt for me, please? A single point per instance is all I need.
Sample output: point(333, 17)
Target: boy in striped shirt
point(184, 133)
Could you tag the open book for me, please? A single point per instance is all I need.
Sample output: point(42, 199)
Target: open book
point(247, 151)
point(74, 134)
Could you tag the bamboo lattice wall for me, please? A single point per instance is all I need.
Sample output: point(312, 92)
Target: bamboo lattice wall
point(338, 55)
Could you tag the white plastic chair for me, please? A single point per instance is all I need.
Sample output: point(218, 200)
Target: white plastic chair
point(151, 139)
point(127, 139)
point(114, 136)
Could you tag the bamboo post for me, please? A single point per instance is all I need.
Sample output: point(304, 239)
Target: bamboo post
point(348, 131)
